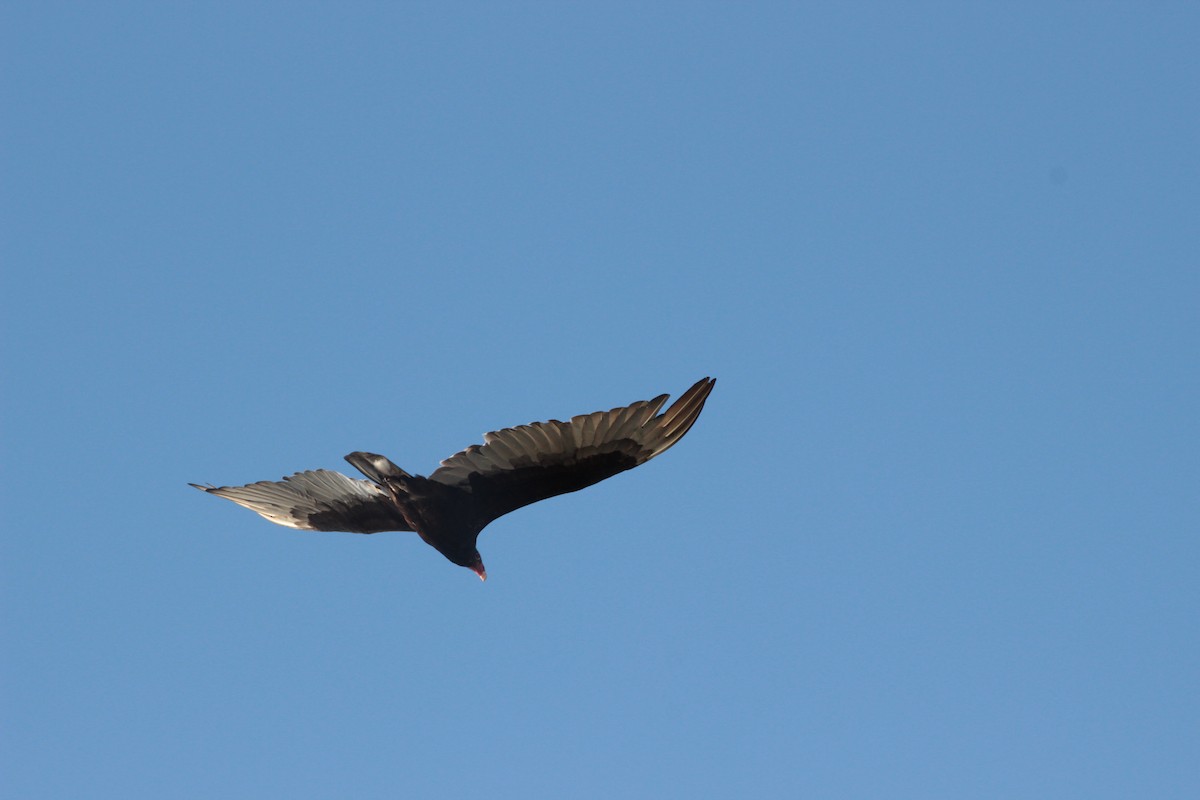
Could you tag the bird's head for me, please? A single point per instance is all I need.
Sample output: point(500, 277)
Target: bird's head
point(465, 554)
point(476, 566)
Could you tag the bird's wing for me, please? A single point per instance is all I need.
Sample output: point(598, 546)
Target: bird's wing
point(318, 500)
point(518, 466)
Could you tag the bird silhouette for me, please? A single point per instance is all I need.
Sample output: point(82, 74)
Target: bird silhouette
point(512, 468)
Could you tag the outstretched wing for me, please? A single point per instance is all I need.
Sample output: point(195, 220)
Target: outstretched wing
point(318, 500)
point(518, 466)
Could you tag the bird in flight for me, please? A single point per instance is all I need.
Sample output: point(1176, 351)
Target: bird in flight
point(512, 468)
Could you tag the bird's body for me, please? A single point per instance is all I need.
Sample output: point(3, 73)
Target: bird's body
point(513, 468)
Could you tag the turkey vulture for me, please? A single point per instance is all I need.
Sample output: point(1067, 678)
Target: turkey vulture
point(512, 468)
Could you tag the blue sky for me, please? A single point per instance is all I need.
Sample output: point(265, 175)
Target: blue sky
point(935, 535)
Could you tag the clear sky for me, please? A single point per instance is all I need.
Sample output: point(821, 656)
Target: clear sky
point(936, 535)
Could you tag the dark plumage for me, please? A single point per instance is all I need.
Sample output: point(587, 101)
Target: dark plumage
point(512, 468)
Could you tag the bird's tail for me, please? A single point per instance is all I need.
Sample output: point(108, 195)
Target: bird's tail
point(376, 467)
